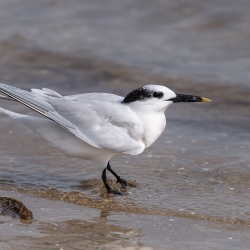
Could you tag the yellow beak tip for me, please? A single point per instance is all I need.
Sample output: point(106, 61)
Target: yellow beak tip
point(203, 99)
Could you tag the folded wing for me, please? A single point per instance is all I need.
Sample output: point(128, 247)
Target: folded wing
point(102, 124)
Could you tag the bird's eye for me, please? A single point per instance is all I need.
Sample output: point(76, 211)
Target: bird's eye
point(158, 95)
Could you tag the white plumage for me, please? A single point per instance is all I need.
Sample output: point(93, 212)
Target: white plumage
point(96, 126)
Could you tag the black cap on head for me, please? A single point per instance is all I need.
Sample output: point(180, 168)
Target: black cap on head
point(142, 94)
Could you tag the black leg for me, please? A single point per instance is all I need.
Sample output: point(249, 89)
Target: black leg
point(105, 181)
point(119, 179)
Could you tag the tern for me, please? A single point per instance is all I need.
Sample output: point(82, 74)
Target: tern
point(97, 126)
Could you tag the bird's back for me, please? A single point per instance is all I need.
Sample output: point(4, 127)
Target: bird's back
point(96, 96)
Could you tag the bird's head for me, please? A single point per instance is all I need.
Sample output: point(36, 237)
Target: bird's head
point(159, 97)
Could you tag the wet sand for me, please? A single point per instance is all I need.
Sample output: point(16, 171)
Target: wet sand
point(60, 225)
point(192, 185)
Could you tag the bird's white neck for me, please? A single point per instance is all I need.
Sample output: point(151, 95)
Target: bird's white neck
point(153, 120)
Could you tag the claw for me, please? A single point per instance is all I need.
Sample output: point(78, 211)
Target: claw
point(117, 192)
point(124, 183)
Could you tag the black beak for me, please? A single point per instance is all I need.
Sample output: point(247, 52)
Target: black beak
point(188, 98)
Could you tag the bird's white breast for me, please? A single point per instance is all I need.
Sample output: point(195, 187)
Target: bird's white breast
point(154, 123)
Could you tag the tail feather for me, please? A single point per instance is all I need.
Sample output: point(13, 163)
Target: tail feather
point(11, 114)
point(6, 98)
point(35, 101)
point(63, 140)
point(27, 98)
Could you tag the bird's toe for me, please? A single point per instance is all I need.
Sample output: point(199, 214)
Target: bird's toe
point(116, 191)
point(124, 183)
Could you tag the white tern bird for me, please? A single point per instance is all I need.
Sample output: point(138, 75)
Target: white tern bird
point(98, 126)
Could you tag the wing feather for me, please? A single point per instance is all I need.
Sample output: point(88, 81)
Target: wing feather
point(102, 124)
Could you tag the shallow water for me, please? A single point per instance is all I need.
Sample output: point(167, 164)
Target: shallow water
point(197, 172)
